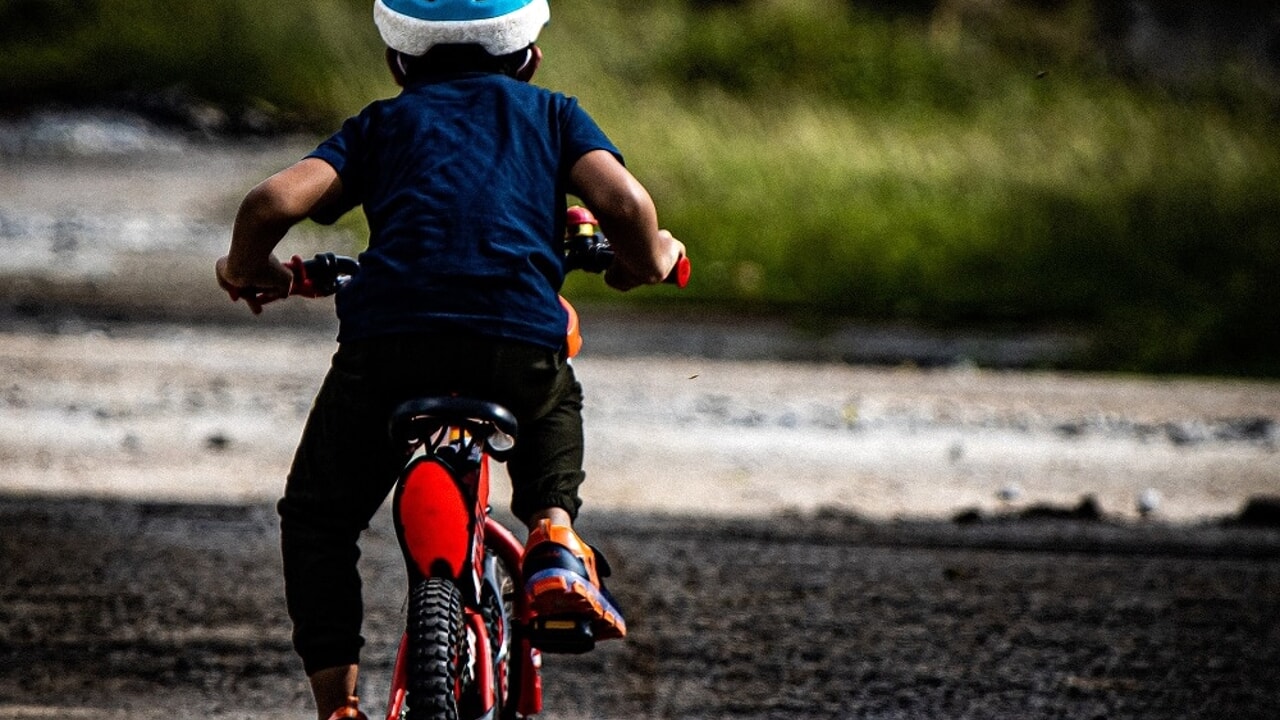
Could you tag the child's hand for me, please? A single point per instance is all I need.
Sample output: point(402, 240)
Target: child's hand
point(660, 259)
point(268, 282)
point(676, 248)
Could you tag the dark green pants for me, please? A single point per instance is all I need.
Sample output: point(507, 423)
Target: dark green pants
point(345, 464)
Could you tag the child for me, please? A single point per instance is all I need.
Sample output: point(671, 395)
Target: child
point(463, 178)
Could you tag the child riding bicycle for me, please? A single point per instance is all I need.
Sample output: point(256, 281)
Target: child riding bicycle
point(463, 177)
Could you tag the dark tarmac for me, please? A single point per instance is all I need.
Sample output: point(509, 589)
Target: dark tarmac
point(121, 609)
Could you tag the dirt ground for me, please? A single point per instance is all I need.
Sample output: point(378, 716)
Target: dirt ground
point(876, 523)
point(112, 609)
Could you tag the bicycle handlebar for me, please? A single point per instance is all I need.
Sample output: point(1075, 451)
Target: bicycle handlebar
point(326, 273)
point(322, 275)
point(593, 253)
point(586, 248)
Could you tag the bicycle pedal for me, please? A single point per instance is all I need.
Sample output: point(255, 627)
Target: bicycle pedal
point(564, 635)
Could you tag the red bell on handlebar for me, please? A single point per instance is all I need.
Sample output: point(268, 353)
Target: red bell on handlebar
point(579, 222)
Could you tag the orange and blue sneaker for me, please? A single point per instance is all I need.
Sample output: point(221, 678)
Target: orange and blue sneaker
point(572, 610)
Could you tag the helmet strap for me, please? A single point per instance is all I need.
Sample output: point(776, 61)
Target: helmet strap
point(532, 59)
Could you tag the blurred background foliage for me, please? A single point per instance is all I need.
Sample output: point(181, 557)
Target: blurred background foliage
point(1108, 167)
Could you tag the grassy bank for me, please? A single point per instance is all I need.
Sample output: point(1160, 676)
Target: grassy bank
point(979, 163)
point(300, 63)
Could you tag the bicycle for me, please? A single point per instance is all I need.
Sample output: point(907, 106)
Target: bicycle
point(472, 648)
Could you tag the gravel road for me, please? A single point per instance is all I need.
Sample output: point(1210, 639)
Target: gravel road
point(211, 413)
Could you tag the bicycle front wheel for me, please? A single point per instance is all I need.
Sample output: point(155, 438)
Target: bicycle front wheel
point(437, 650)
point(498, 608)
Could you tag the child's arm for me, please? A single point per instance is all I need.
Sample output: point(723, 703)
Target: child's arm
point(643, 254)
point(249, 269)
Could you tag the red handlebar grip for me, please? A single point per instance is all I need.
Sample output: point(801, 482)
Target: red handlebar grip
point(680, 273)
point(302, 284)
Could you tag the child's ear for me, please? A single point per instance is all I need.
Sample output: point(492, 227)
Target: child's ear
point(396, 66)
point(531, 64)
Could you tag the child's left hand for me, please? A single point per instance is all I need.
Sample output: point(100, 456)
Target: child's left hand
point(270, 281)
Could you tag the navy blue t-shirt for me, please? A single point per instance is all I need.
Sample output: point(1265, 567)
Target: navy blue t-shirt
point(463, 182)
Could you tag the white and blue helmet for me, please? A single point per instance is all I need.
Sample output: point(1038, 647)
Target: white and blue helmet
point(500, 26)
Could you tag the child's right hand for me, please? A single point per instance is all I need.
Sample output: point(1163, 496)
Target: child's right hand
point(675, 246)
point(679, 273)
point(657, 260)
point(643, 254)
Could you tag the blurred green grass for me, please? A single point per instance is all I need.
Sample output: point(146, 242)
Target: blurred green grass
point(976, 163)
point(299, 61)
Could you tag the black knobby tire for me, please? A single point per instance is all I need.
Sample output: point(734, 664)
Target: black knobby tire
point(436, 649)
